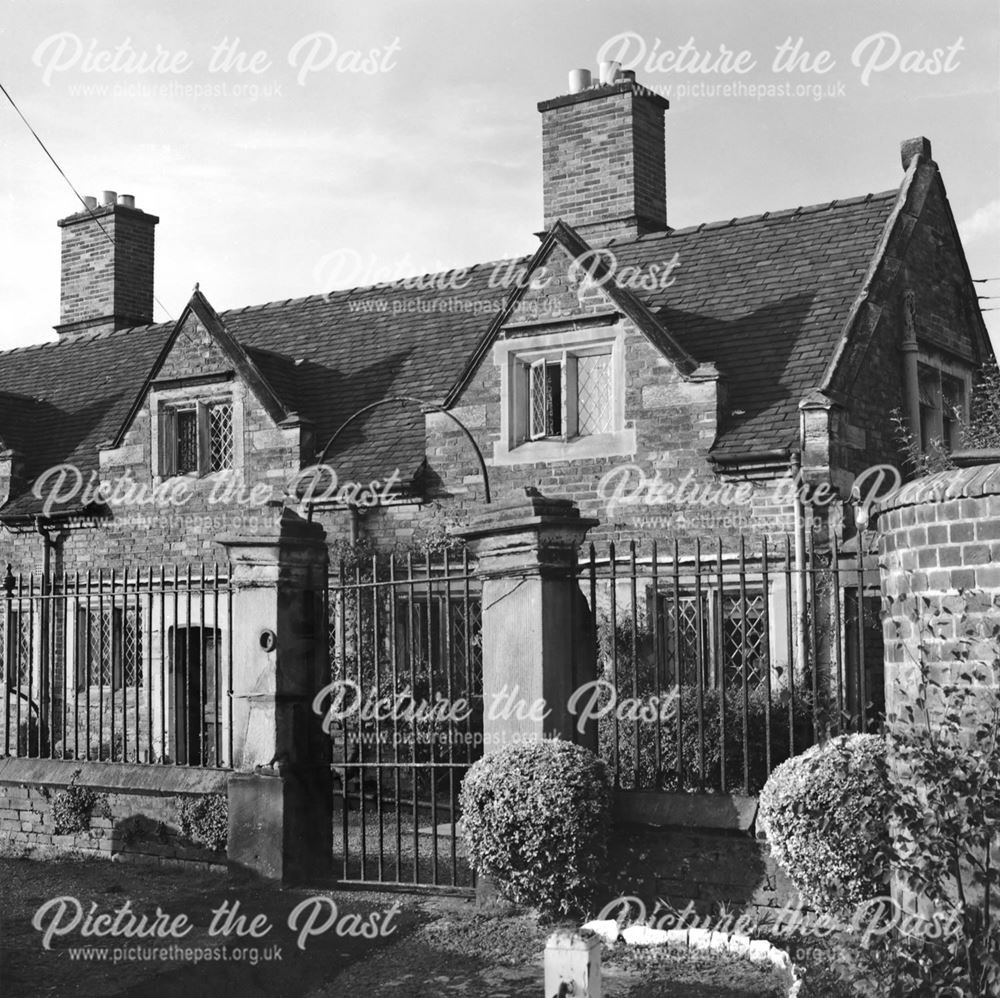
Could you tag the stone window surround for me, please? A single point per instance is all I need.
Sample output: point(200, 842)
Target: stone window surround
point(953, 368)
point(521, 350)
point(223, 390)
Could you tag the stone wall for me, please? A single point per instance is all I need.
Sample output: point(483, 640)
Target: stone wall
point(135, 819)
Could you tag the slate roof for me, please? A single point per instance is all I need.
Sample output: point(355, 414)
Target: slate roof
point(59, 401)
point(763, 297)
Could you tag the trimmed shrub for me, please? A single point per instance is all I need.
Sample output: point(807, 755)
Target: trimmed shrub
point(536, 819)
point(73, 807)
point(824, 816)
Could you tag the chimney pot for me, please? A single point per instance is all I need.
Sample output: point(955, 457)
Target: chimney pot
point(628, 75)
point(579, 79)
point(108, 197)
point(126, 200)
point(90, 201)
point(609, 72)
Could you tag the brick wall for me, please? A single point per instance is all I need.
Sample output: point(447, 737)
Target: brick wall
point(940, 559)
point(682, 848)
point(709, 867)
point(939, 542)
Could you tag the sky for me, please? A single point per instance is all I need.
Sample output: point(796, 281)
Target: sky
point(290, 149)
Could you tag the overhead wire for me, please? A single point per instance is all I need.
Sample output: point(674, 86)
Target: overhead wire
point(69, 182)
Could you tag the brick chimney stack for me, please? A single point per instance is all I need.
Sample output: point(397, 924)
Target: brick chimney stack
point(604, 156)
point(107, 276)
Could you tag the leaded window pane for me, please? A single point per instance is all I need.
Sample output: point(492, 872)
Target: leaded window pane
point(220, 426)
point(593, 394)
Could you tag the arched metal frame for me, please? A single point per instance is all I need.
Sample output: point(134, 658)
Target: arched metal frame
point(426, 407)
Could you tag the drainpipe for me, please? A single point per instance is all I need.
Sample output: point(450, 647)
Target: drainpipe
point(911, 382)
point(800, 563)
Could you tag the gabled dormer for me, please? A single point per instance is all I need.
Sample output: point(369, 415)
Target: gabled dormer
point(205, 411)
point(579, 360)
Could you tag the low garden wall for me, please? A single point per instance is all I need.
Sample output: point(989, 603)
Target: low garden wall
point(697, 848)
point(164, 815)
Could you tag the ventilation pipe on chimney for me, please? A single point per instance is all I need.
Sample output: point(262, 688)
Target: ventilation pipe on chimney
point(609, 73)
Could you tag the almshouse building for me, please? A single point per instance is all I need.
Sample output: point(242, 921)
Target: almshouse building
point(668, 382)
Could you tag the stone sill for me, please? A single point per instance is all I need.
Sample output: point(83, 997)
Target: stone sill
point(619, 443)
point(156, 781)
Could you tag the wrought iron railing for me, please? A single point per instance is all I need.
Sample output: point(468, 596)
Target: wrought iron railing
point(118, 666)
point(716, 665)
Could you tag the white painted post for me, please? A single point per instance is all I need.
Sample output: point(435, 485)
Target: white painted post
point(573, 965)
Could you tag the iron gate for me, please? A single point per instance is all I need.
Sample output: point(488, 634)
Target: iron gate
point(404, 712)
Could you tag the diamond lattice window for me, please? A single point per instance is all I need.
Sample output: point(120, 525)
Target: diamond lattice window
point(15, 655)
point(680, 627)
point(742, 631)
point(743, 639)
point(593, 390)
point(132, 649)
point(220, 431)
point(111, 640)
point(99, 633)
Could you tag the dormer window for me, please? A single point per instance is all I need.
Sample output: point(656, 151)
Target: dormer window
point(196, 439)
point(563, 397)
point(196, 433)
